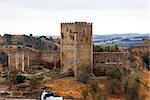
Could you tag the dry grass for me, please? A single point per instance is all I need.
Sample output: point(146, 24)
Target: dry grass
point(67, 87)
point(145, 89)
point(70, 87)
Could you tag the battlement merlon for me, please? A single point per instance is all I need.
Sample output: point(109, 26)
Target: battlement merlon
point(73, 23)
point(76, 27)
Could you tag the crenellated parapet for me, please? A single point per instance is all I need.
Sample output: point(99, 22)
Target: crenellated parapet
point(76, 23)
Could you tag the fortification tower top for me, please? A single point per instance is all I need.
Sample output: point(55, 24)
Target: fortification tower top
point(77, 23)
point(76, 27)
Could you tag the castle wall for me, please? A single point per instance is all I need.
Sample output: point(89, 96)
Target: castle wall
point(22, 60)
point(34, 58)
point(52, 58)
point(111, 58)
point(15, 61)
point(101, 57)
point(105, 60)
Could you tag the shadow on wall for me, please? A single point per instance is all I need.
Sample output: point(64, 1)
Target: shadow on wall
point(51, 65)
point(3, 59)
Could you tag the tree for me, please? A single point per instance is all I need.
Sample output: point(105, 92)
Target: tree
point(146, 60)
point(20, 43)
point(115, 76)
point(8, 39)
point(83, 75)
point(97, 48)
point(116, 48)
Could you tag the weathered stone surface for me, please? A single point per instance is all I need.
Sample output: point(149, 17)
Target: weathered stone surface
point(76, 46)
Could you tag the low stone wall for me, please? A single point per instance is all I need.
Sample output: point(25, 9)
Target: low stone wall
point(18, 61)
point(104, 60)
point(21, 60)
point(102, 57)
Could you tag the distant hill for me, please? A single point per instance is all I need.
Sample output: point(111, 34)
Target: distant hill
point(49, 42)
point(41, 43)
point(123, 40)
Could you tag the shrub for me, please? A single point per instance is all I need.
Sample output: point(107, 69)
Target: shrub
point(83, 75)
point(115, 73)
point(98, 48)
point(146, 60)
point(20, 79)
point(34, 82)
point(115, 87)
point(8, 39)
point(94, 87)
point(54, 73)
point(98, 97)
point(132, 92)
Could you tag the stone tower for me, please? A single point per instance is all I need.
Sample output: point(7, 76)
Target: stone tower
point(76, 46)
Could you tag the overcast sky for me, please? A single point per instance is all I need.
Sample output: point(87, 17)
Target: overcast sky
point(43, 17)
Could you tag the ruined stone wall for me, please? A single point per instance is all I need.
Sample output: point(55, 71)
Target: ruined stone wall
point(19, 61)
point(51, 58)
point(111, 58)
point(102, 61)
point(101, 57)
point(22, 60)
point(22, 57)
point(35, 58)
point(76, 46)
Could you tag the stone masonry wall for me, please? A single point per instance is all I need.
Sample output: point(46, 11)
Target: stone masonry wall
point(102, 61)
point(51, 58)
point(109, 59)
point(22, 60)
point(76, 46)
